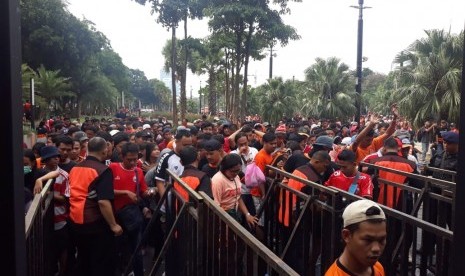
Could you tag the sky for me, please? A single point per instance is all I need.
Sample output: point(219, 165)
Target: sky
point(327, 28)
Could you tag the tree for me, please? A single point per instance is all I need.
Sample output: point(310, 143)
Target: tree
point(162, 94)
point(329, 93)
point(429, 77)
point(250, 26)
point(277, 99)
point(53, 87)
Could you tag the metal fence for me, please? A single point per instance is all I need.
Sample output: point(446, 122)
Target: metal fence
point(202, 239)
point(39, 231)
point(304, 229)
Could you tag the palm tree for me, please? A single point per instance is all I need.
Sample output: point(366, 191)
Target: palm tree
point(328, 92)
point(52, 87)
point(430, 77)
point(277, 99)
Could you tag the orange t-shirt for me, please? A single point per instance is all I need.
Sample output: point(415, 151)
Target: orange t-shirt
point(337, 269)
point(261, 159)
point(170, 145)
point(374, 147)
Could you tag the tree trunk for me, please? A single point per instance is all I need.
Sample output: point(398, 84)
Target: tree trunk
point(227, 91)
point(212, 91)
point(79, 106)
point(238, 58)
point(173, 74)
point(246, 71)
point(184, 73)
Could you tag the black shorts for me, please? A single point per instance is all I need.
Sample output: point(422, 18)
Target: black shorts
point(61, 240)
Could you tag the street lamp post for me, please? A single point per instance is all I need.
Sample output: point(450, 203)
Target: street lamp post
point(358, 84)
point(200, 98)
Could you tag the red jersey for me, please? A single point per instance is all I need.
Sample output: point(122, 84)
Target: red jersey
point(60, 187)
point(124, 179)
point(343, 182)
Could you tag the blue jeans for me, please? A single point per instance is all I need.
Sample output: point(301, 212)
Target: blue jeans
point(424, 149)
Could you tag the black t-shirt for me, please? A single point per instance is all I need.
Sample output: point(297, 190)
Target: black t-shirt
point(209, 170)
point(30, 178)
point(294, 161)
point(256, 144)
point(67, 166)
point(202, 162)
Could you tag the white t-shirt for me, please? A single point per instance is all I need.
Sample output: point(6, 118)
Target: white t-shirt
point(249, 157)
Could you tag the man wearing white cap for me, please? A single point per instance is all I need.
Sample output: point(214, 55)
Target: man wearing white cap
point(364, 235)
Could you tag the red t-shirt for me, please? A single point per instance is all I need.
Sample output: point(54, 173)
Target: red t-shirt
point(343, 182)
point(124, 179)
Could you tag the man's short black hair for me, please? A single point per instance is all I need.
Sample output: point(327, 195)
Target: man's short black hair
point(205, 125)
point(182, 133)
point(105, 135)
point(269, 137)
point(63, 139)
point(188, 155)
point(391, 143)
point(129, 148)
point(120, 137)
point(347, 155)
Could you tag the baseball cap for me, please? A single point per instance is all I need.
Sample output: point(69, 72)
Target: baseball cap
point(145, 126)
point(450, 137)
point(362, 210)
point(81, 135)
point(304, 132)
point(346, 141)
point(280, 129)
point(49, 152)
point(113, 132)
point(324, 141)
point(406, 143)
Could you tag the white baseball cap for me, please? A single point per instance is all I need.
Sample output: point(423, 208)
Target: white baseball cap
point(357, 212)
point(145, 126)
point(346, 141)
point(113, 132)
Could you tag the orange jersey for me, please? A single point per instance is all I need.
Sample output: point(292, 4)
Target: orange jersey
point(387, 196)
point(374, 147)
point(337, 269)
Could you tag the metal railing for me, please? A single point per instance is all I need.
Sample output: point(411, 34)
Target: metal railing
point(202, 239)
point(307, 236)
point(39, 231)
point(440, 173)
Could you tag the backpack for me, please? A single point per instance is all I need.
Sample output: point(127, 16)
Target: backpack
point(254, 176)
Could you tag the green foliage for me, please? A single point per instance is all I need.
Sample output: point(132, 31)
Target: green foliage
point(277, 99)
point(429, 77)
point(329, 92)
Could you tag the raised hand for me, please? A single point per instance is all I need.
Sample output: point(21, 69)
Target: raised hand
point(395, 110)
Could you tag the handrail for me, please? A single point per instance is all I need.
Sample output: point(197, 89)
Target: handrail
point(433, 181)
point(260, 249)
point(394, 213)
point(35, 205)
point(444, 171)
point(304, 181)
point(192, 194)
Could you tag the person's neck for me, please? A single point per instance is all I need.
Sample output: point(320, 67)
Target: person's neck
point(65, 161)
point(352, 173)
point(353, 265)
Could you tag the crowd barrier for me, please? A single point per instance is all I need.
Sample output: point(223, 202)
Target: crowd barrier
point(39, 231)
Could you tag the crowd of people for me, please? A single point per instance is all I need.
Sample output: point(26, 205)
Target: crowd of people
point(101, 166)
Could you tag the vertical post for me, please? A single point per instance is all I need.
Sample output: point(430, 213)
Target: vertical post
point(122, 99)
point(12, 235)
point(458, 254)
point(271, 63)
point(33, 104)
point(200, 98)
point(117, 102)
point(358, 84)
